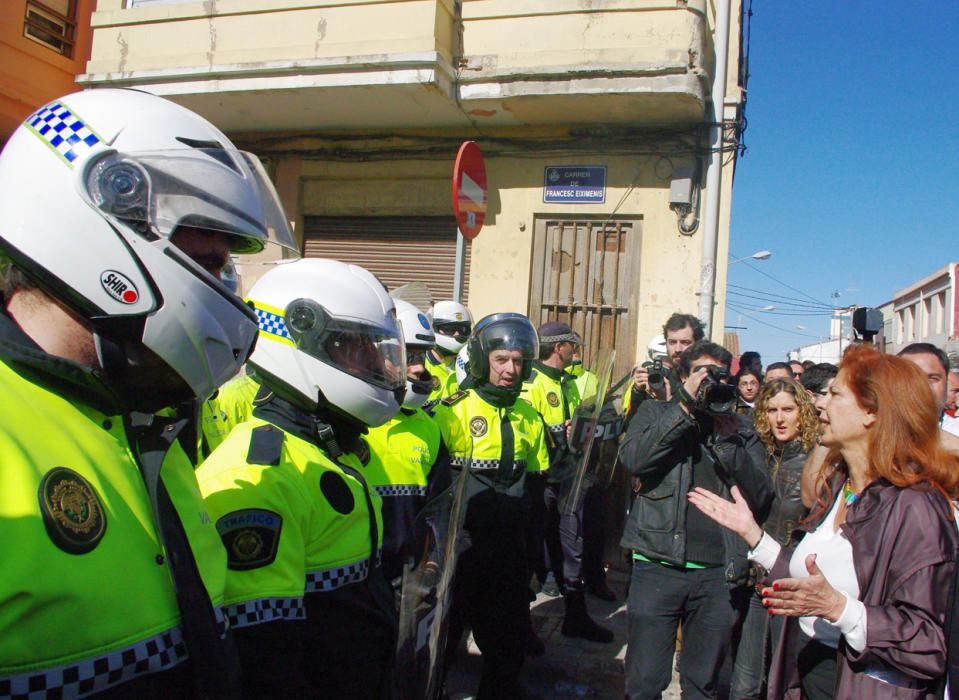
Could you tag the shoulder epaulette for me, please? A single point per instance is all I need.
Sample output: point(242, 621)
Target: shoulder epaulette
point(532, 376)
point(454, 398)
point(266, 445)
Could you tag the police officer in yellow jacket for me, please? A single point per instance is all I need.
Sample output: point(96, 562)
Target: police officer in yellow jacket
point(499, 438)
point(554, 394)
point(312, 613)
point(120, 208)
point(453, 324)
point(413, 459)
point(231, 405)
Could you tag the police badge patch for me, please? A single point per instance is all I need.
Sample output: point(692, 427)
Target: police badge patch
point(251, 537)
point(552, 399)
point(71, 510)
point(478, 426)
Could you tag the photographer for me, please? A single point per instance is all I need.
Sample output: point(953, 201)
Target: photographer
point(685, 567)
point(657, 378)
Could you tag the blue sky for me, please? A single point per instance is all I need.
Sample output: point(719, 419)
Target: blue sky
point(851, 177)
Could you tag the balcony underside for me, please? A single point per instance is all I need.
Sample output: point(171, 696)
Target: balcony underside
point(416, 91)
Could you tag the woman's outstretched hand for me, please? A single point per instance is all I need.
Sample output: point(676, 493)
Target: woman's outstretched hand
point(804, 597)
point(735, 515)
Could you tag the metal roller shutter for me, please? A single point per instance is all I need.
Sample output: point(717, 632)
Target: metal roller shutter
point(398, 250)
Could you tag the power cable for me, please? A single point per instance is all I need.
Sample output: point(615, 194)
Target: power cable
point(781, 296)
point(779, 281)
point(789, 306)
point(785, 330)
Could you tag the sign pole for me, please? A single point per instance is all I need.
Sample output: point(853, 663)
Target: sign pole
point(458, 269)
point(469, 205)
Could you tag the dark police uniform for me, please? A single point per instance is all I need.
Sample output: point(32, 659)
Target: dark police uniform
point(501, 446)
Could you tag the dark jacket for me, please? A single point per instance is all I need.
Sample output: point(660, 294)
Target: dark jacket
point(662, 447)
point(785, 470)
point(904, 551)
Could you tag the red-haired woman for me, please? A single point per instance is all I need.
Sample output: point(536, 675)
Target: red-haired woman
point(865, 591)
point(788, 425)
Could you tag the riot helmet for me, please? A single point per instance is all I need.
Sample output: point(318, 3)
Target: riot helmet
point(502, 331)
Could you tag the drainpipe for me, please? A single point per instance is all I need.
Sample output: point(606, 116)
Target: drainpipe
point(707, 282)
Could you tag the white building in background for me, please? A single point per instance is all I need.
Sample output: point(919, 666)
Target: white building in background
point(927, 311)
point(829, 349)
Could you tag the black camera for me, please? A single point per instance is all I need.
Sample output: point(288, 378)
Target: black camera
point(656, 378)
point(715, 397)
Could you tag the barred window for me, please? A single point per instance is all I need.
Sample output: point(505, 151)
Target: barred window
point(51, 23)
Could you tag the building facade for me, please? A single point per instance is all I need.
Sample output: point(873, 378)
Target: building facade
point(593, 118)
point(927, 311)
point(44, 45)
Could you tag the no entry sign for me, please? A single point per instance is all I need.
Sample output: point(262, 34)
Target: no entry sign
point(469, 189)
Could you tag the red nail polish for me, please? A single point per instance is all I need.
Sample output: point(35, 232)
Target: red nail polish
point(776, 586)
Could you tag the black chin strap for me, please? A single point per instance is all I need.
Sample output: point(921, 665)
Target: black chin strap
point(216, 672)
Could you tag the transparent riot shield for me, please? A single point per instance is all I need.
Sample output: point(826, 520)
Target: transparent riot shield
point(431, 551)
point(586, 428)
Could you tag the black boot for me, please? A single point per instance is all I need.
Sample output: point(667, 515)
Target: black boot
point(532, 644)
point(578, 623)
point(601, 591)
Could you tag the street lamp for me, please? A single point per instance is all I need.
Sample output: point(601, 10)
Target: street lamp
point(758, 255)
point(765, 309)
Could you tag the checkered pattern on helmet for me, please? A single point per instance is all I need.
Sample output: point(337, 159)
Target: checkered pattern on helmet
point(389, 490)
point(323, 580)
point(158, 653)
point(63, 131)
point(255, 612)
point(272, 323)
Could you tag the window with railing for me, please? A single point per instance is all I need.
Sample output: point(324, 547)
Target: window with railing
point(51, 23)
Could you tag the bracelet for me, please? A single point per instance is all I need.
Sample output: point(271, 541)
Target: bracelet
point(753, 547)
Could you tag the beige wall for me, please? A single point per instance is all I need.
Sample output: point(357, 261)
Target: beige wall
point(501, 266)
point(260, 31)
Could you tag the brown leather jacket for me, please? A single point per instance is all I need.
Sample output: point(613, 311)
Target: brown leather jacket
point(904, 552)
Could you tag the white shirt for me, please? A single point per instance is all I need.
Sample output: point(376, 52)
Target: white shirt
point(834, 558)
point(950, 424)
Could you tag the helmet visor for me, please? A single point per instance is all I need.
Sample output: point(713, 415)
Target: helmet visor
point(455, 329)
point(375, 354)
point(510, 334)
point(216, 189)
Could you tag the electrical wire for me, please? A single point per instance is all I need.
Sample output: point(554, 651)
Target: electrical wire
point(785, 330)
point(789, 306)
point(779, 281)
point(773, 297)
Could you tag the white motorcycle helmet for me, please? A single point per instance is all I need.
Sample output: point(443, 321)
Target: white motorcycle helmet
point(657, 350)
point(418, 336)
point(453, 324)
point(329, 338)
point(92, 188)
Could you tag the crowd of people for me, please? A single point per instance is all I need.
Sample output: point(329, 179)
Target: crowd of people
point(316, 491)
